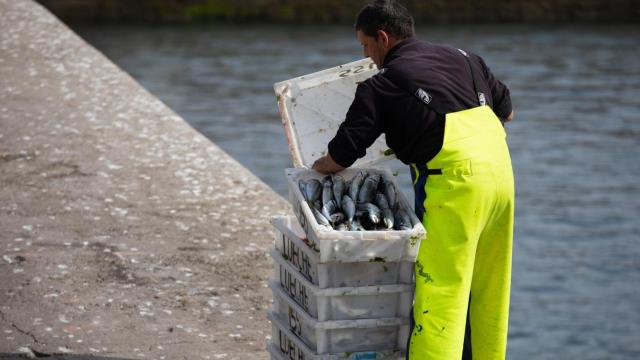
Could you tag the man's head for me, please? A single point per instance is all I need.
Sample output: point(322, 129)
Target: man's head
point(380, 26)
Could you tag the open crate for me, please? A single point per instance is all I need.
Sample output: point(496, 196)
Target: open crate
point(354, 246)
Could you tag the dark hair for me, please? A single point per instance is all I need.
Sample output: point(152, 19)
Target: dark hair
point(387, 15)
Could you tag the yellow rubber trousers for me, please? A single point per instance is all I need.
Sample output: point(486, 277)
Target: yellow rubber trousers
point(463, 268)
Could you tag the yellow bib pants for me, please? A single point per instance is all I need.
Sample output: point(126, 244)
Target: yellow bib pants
point(463, 268)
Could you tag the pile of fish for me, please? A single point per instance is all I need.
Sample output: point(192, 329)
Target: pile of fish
point(366, 202)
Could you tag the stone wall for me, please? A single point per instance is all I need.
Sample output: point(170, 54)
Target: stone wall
point(343, 11)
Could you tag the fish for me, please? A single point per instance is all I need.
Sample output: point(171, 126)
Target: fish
point(356, 182)
point(388, 218)
point(338, 188)
point(373, 207)
point(302, 185)
point(368, 189)
point(355, 226)
point(381, 201)
point(337, 218)
point(402, 221)
point(387, 214)
point(317, 205)
point(371, 211)
point(329, 208)
point(327, 191)
point(320, 218)
point(390, 192)
point(313, 190)
point(349, 207)
point(365, 221)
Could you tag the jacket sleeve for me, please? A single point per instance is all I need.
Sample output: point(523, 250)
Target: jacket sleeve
point(359, 129)
point(499, 92)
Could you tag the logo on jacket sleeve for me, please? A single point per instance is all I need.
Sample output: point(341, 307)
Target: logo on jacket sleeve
point(424, 96)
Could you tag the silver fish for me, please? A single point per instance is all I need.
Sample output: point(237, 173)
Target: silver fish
point(355, 226)
point(372, 212)
point(338, 188)
point(402, 221)
point(313, 190)
point(387, 218)
point(302, 185)
point(368, 189)
point(356, 182)
point(349, 207)
point(387, 214)
point(337, 218)
point(327, 190)
point(342, 227)
point(317, 205)
point(329, 208)
point(381, 201)
point(365, 221)
point(320, 218)
point(390, 193)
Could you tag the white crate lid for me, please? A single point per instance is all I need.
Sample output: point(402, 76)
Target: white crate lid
point(313, 106)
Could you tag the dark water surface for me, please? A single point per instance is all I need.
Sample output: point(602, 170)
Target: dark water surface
point(575, 145)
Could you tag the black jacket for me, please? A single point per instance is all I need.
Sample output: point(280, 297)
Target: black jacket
point(414, 130)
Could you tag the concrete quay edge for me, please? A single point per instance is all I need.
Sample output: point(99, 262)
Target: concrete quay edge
point(124, 232)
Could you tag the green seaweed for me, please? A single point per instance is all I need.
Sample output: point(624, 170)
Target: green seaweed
point(427, 277)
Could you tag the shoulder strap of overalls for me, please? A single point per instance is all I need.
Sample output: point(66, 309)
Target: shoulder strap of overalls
point(477, 79)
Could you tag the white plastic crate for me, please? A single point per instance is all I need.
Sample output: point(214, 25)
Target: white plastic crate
point(292, 244)
point(277, 353)
point(324, 337)
point(354, 246)
point(343, 303)
point(285, 345)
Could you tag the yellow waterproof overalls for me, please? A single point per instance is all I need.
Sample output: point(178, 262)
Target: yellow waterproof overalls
point(463, 268)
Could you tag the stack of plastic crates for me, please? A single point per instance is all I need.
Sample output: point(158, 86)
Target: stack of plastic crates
point(337, 294)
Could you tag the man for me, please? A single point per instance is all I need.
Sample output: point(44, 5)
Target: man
point(441, 110)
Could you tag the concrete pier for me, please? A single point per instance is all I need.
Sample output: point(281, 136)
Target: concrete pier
point(124, 233)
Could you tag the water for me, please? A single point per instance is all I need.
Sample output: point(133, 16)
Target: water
point(575, 145)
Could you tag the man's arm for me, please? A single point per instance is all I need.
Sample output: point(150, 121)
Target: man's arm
point(357, 132)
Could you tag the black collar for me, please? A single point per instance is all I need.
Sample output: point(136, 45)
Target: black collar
point(393, 50)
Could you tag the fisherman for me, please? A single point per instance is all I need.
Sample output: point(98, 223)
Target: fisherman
point(442, 111)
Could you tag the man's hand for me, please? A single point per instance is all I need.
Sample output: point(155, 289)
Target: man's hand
point(509, 118)
point(326, 165)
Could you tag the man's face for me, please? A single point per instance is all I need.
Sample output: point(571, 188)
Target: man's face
point(375, 48)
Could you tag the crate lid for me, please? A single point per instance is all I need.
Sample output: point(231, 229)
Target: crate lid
point(313, 106)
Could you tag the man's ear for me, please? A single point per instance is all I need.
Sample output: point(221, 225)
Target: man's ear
point(384, 37)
